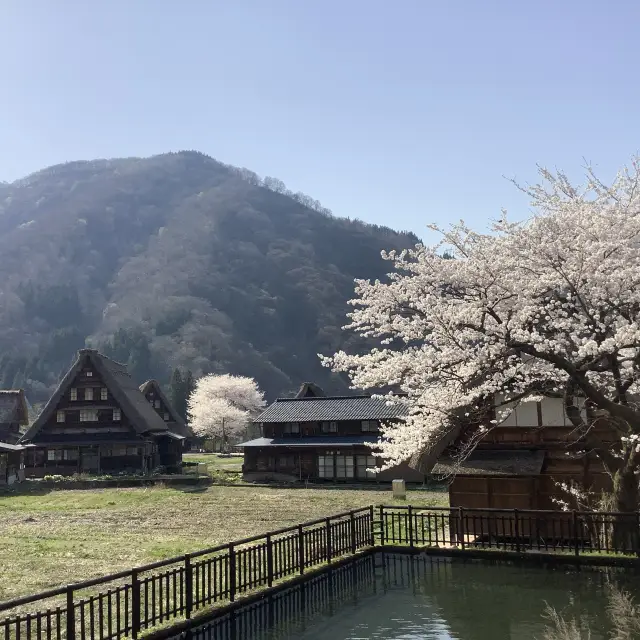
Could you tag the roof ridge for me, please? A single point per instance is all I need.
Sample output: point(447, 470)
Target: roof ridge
point(364, 395)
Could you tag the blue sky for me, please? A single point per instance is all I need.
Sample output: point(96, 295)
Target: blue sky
point(399, 113)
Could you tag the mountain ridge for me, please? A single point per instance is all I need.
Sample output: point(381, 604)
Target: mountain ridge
point(179, 260)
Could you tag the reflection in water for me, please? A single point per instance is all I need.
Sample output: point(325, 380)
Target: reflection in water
point(399, 597)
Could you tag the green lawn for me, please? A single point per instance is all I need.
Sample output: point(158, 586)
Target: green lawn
point(61, 536)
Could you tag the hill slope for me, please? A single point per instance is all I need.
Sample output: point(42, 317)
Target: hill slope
point(175, 260)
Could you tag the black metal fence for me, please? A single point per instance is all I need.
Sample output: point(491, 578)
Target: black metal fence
point(124, 604)
point(517, 530)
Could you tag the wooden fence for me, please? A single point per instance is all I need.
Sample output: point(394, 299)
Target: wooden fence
point(127, 603)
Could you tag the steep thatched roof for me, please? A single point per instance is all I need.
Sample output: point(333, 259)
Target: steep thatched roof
point(13, 407)
point(177, 424)
point(121, 386)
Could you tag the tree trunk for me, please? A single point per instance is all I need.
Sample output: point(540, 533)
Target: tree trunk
point(625, 534)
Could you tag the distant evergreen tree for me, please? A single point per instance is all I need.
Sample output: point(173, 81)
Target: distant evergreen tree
point(177, 395)
point(189, 386)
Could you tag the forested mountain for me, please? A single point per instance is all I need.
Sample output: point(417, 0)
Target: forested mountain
point(176, 260)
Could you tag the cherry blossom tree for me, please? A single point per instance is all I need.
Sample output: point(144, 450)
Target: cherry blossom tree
point(548, 306)
point(221, 406)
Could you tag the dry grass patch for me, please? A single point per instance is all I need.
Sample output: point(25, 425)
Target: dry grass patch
point(70, 535)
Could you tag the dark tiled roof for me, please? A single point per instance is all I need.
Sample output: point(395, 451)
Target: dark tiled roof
point(177, 424)
point(114, 375)
point(13, 407)
point(493, 463)
point(332, 408)
point(316, 441)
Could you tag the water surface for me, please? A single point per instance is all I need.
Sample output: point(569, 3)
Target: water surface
point(400, 597)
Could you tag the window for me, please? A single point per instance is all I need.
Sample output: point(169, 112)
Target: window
point(60, 416)
point(329, 427)
point(156, 404)
point(88, 393)
point(167, 417)
point(369, 425)
point(325, 466)
point(286, 462)
point(73, 394)
point(104, 394)
point(344, 466)
point(89, 374)
point(117, 415)
point(56, 455)
point(365, 466)
point(291, 427)
point(88, 415)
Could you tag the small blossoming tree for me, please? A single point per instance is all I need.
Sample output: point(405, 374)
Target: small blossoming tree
point(221, 406)
point(549, 306)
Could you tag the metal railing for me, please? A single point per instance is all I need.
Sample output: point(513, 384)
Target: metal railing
point(127, 603)
point(518, 530)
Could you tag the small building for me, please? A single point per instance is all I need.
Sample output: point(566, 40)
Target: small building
point(11, 463)
point(520, 463)
point(14, 415)
point(152, 391)
point(324, 438)
point(98, 421)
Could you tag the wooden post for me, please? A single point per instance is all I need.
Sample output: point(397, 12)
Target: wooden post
point(328, 540)
point(576, 549)
point(381, 525)
point(269, 560)
point(410, 525)
point(372, 532)
point(136, 618)
point(516, 528)
point(232, 573)
point(71, 617)
point(353, 532)
point(461, 526)
point(188, 586)
point(301, 548)
point(636, 538)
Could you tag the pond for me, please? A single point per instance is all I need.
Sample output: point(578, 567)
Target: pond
point(401, 597)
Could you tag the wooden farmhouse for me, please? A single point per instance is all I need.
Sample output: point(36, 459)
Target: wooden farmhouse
point(324, 438)
point(521, 461)
point(14, 416)
point(98, 421)
point(152, 391)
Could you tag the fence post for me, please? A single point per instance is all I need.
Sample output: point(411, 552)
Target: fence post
point(372, 532)
point(188, 586)
point(136, 617)
point(381, 526)
point(516, 529)
point(328, 541)
point(232, 573)
point(301, 548)
point(410, 525)
point(636, 537)
point(461, 527)
point(269, 560)
point(352, 522)
point(71, 615)
point(576, 549)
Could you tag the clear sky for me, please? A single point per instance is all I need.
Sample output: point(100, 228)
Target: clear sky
point(397, 112)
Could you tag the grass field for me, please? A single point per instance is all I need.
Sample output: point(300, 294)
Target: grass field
point(221, 468)
point(54, 538)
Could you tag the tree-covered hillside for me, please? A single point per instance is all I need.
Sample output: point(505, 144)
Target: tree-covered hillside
point(176, 260)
